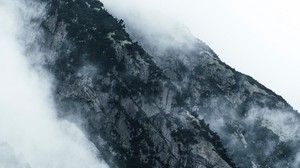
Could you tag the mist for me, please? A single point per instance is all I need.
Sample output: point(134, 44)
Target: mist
point(256, 37)
point(31, 136)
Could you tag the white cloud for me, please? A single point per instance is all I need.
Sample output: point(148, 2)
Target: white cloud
point(30, 134)
point(257, 37)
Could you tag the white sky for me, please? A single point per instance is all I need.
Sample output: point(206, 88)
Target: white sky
point(256, 37)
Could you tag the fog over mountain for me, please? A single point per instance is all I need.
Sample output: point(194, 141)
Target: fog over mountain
point(31, 136)
point(86, 84)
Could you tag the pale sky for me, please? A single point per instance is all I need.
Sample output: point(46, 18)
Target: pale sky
point(256, 37)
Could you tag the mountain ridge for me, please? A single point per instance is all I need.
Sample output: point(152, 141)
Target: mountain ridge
point(151, 111)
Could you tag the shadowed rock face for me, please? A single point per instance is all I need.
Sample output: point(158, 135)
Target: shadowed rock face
point(125, 100)
point(152, 111)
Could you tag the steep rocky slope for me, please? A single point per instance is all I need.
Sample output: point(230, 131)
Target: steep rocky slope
point(124, 99)
point(258, 127)
point(154, 111)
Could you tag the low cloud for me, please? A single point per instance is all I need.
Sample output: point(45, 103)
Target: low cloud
point(150, 26)
point(31, 136)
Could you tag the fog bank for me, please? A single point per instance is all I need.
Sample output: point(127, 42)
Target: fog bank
point(30, 134)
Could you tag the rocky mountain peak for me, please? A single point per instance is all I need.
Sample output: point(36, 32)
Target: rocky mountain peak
point(144, 108)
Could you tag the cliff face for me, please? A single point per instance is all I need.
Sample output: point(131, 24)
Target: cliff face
point(258, 127)
point(153, 111)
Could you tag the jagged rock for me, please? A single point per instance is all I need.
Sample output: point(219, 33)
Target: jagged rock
point(143, 111)
point(258, 127)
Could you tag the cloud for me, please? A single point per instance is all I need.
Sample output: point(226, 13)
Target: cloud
point(150, 26)
point(30, 134)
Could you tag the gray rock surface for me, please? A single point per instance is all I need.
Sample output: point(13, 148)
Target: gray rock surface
point(152, 111)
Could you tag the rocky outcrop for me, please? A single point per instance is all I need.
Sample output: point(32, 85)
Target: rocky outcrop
point(144, 111)
point(124, 99)
point(257, 126)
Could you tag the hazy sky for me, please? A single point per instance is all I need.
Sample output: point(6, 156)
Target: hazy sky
point(257, 37)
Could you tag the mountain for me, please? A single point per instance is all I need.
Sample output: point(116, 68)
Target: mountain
point(141, 107)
